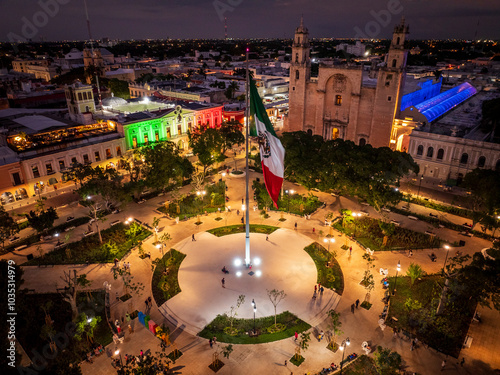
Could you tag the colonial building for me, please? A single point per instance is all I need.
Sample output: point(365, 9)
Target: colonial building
point(346, 101)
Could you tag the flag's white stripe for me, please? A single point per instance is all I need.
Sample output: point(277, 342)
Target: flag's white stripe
point(275, 162)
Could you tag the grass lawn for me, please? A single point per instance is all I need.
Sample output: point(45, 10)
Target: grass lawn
point(290, 322)
point(165, 284)
point(117, 241)
point(369, 234)
point(445, 332)
point(364, 365)
point(192, 205)
point(297, 360)
point(240, 228)
point(330, 277)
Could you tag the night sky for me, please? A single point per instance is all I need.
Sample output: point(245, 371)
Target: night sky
point(141, 19)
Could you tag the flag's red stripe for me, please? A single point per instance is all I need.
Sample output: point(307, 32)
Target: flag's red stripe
point(273, 184)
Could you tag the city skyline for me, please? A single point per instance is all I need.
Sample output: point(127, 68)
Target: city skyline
point(152, 19)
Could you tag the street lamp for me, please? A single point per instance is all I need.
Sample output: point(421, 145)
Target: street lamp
point(345, 343)
point(419, 184)
point(254, 311)
point(117, 352)
point(447, 247)
point(398, 268)
point(329, 241)
point(288, 193)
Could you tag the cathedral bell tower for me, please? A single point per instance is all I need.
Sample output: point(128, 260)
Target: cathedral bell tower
point(300, 72)
point(396, 58)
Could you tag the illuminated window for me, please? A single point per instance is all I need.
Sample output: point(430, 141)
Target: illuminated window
point(145, 138)
point(49, 169)
point(179, 129)
point(338, 99)
point(134, 142)
point(440, 154)
point(168, 133)
point(61, 165)
point(36, 172)
point(335, 133)
point(157, 136)
point(118, 151)
point(108, 154)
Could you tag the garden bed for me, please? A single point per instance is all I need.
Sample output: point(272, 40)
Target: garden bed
point(192, 205)
point(117, 241)
point(330, 276)
point(291, 323)
point(165, 284)
point(445, 332)
point(240, 228)
point(294, 203)
point(370, 235)
point(363, 365)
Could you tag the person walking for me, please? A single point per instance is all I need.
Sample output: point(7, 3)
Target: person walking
point(295, 225)
point(357, 303)
point(214, 340)
point(267, 237)
point(314, 230)
point(462, 362)
point(192, 238)
point(211, 343)
point(352, 308)
point(321, 334)
point(443, 364)
point(321, 290)
point(223, 281)
point(296, 335)
point(350, 250)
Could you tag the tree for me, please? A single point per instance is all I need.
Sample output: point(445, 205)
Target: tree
point(73, 284)
point(149, 365)
point(207, 144)
point(335, 325)
point(8, 227)
point(305, 337)
point(232, 134)
point(42, 221)
point(119, 88)
point(231, 89)
point(85, 327)
point(276, 296)
point(163, 166)
point(156, 222)
point(233, 311)
point(484, 198)
point(386, 361)
point(414, 271)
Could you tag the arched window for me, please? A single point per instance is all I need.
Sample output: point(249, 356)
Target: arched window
point(338, 99)
point(298, 40)
point(440, 154)
point(309, 132)
point(362, 141)
point(297, 74)
point(420, 150)
point(464, 159)
point(398, 40)
point(296, 57)
point(430, 152)
point(481, 162)
point(394, 62)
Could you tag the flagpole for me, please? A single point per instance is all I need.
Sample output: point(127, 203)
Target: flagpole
point(247, 135)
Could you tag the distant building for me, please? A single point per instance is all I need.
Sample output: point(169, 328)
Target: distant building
point(357, 49)
point(80, 101)
point(346, 101)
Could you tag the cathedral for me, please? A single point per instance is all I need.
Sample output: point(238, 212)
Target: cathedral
point(351, 102)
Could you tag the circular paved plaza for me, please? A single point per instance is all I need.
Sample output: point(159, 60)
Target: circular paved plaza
point(284, 266)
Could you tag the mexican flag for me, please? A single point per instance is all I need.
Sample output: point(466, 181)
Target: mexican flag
point(272, 153)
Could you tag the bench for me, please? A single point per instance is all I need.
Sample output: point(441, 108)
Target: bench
point(413, 218)
point(20, 247)
point(113, 223)
point(69, 228)
point(468, 341)
point(86, 234)
point(430, 233)
point(395, 222)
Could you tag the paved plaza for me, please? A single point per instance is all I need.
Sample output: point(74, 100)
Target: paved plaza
point(285, 265)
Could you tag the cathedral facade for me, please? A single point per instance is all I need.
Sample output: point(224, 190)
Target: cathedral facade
point(346, 101)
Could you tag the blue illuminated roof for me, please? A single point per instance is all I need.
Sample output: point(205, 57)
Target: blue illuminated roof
point(442, 103)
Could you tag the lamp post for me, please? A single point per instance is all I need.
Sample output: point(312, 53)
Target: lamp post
point(446, 258)
point(223, 174)
point(288, 193)
point(345, 343)
point(254, 311)
point(419, 184)
point(117, 352)
point(329, 241)
point(398, 268)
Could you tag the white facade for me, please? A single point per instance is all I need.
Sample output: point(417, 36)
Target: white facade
point(445, 157)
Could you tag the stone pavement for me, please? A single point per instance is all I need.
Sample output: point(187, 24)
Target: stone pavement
point(263, 358)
